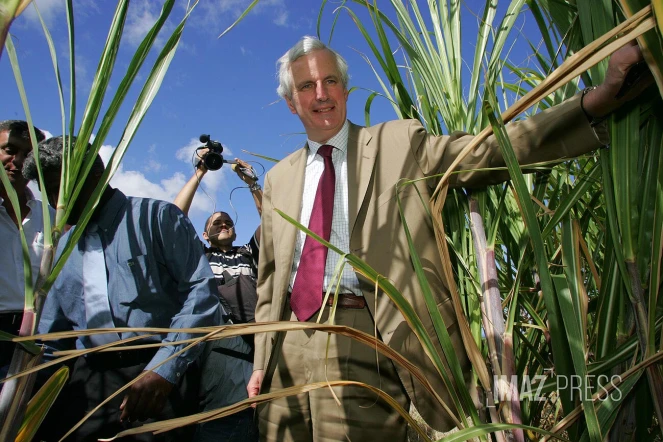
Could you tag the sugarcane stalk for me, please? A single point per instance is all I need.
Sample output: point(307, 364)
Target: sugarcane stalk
point(492, 317)
point(653, 372)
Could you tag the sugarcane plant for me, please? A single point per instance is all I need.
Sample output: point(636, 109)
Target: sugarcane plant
point(575, 248)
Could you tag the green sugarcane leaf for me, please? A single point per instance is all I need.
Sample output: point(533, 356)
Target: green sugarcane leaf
point(465, 404)
point(41, 403)
point(28, 345)
point(484, 429)
point(575, 337)
point(29, 301)
point(142, 104)
point(561, 347)
point(609, 407)
point(240, 18)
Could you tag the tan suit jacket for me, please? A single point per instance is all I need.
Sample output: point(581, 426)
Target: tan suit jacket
point(378, 157)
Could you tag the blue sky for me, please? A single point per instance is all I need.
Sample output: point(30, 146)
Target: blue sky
point(224, 87)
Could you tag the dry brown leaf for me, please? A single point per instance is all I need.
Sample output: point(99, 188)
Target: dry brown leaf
point(163, 426)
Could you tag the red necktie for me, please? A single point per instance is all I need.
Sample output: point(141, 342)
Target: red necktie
point(306, 296)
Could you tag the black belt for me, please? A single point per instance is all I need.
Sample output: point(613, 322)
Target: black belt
point(10, 322)
point(121, 358)
point(346, 301)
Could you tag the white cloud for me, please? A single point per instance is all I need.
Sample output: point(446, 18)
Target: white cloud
point(83, 79)
point(281, 18)
point(153, 166)
point(82, 67)
point(186, 153)
point(50, 11)
point(141, 16)
point(135, 183)
point(215, 14)
point(53, 11)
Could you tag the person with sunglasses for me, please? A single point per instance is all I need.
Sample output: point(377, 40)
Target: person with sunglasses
point(227, 364)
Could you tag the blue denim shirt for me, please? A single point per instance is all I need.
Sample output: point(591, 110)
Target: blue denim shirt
point(157, 275)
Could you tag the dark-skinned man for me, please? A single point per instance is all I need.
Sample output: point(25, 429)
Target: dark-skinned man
point(15, 145)
point(138, 264)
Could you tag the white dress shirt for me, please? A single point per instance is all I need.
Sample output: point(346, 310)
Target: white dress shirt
point(12, 281)
point(340, 231)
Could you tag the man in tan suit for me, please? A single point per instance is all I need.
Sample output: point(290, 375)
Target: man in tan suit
point(367, 164)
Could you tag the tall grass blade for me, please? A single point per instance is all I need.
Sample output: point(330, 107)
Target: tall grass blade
point(41, 403)
point(9, 10)
point(142, 104)
point(160, 427)
point(240, 18)
point(650, 43)
point(560, 347)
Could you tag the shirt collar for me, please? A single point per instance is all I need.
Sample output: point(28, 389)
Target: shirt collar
point(30, 197)
point(111, 212)
point(32, 202)
point(339, 141)
point(234, 249)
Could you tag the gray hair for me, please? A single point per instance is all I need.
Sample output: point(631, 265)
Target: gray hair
point(20, 129)
point(305, 46)
point(50, 159)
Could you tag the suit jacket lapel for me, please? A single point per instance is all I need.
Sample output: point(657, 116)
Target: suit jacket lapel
point(361, 159)
point(290, 202)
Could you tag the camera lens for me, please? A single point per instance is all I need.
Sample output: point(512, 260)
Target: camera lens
point(213, 161)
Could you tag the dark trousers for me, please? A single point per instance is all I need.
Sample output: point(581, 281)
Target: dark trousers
point(238, 427)
point(226, 369)
point(93, 381)
point(10, 322)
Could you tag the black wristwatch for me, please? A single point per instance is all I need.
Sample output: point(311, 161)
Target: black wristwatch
point(593, 121)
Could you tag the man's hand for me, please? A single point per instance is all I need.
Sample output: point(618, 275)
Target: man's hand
point(146, 398)
point(201, 164)
point(253, 387)
point(244, 177)
point(603, 100)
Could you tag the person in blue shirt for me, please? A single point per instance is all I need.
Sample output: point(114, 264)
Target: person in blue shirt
point(155, 275)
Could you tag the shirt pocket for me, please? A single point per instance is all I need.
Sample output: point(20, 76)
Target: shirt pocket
point(140, 297)
point(136, 279)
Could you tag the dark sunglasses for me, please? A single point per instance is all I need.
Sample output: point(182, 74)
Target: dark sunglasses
point(227, 223)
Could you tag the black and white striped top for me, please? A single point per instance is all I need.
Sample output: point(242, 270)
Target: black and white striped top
point(240, 260)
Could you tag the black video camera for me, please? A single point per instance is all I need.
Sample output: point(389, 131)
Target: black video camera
point(213, 160)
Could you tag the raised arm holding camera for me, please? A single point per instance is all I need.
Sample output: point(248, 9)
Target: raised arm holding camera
point(210, 158)
point(227, 363)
